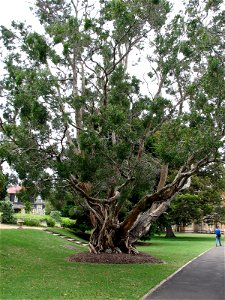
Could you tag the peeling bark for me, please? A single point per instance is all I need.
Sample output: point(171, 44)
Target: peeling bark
point(163, 177)
point(143, 223)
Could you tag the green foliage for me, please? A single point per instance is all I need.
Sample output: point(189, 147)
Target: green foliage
point(82, 218)
point(67, 222)
point(24, 196)
point(48, 207)
point(31, 222)
point(186, 209)
point(87, 23)
point(155, 229)
point(28, 207)
point(50, 222)
point(3, 185)
point(56, 215)
point(217, 216)
point(35, 220)
point(213, 4)
point(36, 46)
point(7, 212)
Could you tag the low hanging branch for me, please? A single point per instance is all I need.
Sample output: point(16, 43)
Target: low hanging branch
point(162, 194)
point(82, 189)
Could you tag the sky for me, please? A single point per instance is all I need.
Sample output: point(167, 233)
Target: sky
point(17, 10)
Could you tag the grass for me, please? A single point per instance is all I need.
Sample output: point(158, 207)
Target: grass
point(181, 249)
point(34, 266)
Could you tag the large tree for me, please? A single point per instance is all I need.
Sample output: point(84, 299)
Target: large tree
point(76, 119)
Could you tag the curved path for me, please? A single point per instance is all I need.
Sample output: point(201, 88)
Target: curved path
point(201, 279)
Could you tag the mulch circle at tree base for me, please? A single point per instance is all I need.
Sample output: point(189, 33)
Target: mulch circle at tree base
point(114, 258)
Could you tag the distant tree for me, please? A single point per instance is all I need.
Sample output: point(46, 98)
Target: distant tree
point(75, 119)
point(201, 202)
point(186, 209)
point(216, 216)
point(48, 207)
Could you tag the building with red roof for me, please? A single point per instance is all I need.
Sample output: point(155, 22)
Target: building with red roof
point(38, 205)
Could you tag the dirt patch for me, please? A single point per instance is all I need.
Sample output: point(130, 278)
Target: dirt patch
point(114, 258)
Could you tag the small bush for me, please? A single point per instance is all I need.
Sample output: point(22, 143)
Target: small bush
point(67, 222)
point(7, 212)
point(31, 222)
point(56, 215)
point(50, 222)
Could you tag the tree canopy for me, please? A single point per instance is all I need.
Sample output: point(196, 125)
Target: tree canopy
point(76, 118)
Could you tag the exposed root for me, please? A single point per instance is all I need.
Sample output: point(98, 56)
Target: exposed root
point(133, 251)
point(92, 248)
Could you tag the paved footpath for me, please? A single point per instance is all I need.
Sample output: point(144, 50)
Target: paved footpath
point(201, 279)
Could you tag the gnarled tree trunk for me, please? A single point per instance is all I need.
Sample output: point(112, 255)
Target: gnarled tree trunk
point(111, 235)
point(106, 236)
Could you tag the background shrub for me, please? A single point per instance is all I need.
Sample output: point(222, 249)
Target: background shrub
point(7, 212)
point(67, 222)
point(31, 222)
point(36, 219)
point(56, 215)
point(50, 222)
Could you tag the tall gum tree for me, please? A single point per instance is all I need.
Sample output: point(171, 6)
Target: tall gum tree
point(74, 119)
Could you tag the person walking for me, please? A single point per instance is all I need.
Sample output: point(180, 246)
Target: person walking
point(218, 236)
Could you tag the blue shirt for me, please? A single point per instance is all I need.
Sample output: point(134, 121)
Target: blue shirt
point(217, 232)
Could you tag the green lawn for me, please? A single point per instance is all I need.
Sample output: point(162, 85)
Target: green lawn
point(34, 266)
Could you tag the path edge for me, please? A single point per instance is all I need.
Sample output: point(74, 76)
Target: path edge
point(172, 275)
